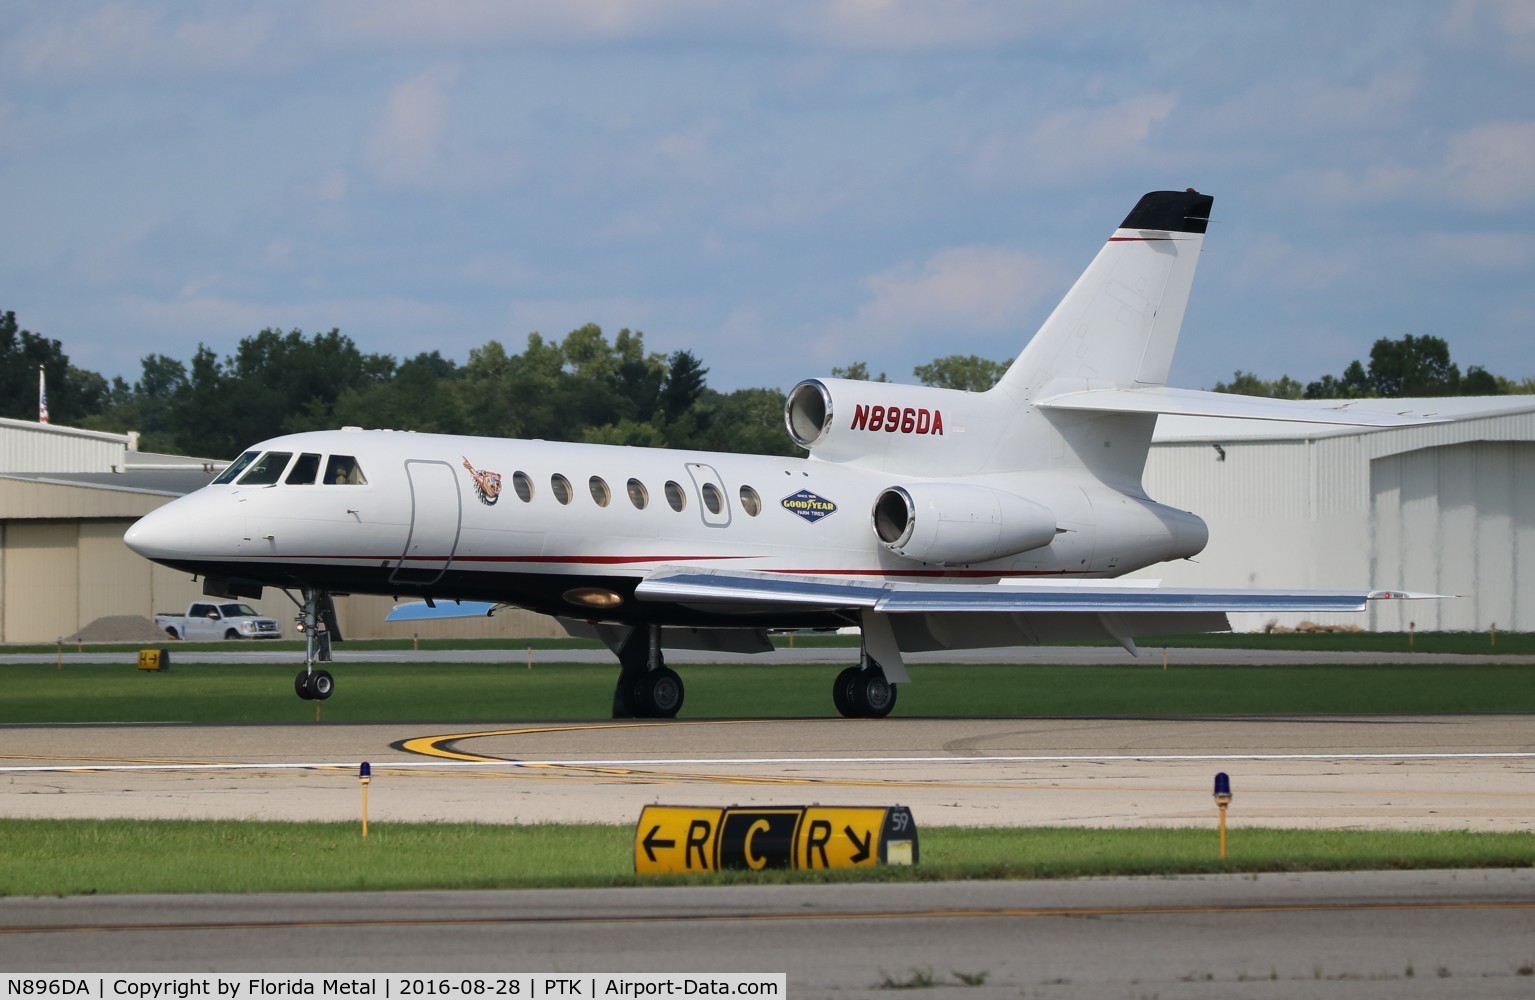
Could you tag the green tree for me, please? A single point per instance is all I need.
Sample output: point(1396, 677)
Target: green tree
point(1354, 384)
point(73, 393)
point(1248, 384)
point(1478, 381)
point(961, 371)
point(1412, 366)
point(858, 371)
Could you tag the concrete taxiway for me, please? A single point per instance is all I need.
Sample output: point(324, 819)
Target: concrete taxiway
point(1441, 772)
point(1318, 935)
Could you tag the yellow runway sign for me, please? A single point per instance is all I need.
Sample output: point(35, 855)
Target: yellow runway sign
point(683, 839)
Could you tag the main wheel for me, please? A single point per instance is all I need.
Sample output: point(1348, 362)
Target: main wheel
point(842, 692)
point(658, 694)
point(873, 694)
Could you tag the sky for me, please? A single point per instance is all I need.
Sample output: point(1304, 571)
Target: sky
point(780, 188)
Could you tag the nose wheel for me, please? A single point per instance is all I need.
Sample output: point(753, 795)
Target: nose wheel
point(314, 685)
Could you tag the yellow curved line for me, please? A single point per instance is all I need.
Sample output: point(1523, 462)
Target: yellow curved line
point(431, 746)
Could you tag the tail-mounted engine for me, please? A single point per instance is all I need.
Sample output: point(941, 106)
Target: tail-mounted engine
point(955, 524)
point(886, 425)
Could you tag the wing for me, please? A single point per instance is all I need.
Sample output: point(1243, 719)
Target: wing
point(900, 617)
point(694, 586)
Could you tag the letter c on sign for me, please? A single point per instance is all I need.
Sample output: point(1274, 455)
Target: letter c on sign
point(753, 862)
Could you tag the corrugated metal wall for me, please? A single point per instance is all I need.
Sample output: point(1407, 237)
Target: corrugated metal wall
point(1444, 508)
point(1457, 519)
point(32, 447)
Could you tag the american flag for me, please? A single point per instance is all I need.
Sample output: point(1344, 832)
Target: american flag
point(42, 396)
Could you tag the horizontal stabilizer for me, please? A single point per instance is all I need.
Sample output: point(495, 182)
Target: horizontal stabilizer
point(416, 611)
point(1195, 403)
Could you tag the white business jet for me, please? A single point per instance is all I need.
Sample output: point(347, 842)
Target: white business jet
point(929, 518)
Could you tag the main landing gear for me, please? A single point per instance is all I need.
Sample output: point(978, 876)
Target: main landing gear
point(317, 621)
point(647, 688)
point(863, 692)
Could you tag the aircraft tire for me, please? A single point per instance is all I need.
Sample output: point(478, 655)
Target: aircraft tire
point(842, 692)
point(322, 685)
point(658, 694)
point(873, 695)
point(301, 686)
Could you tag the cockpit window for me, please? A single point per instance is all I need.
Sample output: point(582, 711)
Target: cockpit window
point(304, 470)
point(236, 467)
point(343, 470)
point(267, 469)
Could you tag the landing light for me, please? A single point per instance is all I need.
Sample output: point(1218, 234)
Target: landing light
point(592, 597)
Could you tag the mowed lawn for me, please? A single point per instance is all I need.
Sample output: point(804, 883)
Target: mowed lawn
point(449, 692)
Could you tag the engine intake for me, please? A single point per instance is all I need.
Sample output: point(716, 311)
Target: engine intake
point(956, 524)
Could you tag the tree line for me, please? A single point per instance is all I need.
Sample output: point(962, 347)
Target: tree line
point(1412, 366)
point(583, 387)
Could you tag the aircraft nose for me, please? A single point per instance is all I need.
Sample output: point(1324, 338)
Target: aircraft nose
point(160, 533)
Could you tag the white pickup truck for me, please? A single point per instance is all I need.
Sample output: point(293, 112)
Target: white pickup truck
point(215, 620)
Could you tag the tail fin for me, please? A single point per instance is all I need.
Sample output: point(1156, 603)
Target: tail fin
point(1117, 326)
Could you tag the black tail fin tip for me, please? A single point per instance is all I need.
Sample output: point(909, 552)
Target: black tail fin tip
point(1171, 212)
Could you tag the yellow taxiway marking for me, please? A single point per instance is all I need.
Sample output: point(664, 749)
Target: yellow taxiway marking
point(971, 914)
point(432, 746)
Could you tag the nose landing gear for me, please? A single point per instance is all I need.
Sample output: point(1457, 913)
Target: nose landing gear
point(317, 622)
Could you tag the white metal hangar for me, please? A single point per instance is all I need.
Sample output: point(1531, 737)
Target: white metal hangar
point(1446, 508)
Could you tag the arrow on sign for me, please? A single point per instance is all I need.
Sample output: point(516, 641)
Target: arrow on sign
point(650, 843)
point(863, 845)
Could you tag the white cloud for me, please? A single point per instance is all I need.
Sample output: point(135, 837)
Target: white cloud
point(1070, 145)
point(1479, 251)
point(1492, 166)
point(954, 298)
point(1487, 167)
point(135, 39)
point(406, 145)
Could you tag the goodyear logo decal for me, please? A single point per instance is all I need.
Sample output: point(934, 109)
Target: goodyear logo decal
point(809, 506)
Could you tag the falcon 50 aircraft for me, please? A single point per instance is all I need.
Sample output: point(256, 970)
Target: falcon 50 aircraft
point(929, 518)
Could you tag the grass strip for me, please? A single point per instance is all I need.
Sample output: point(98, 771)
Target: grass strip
point(81, 857)
point(458, 692)
point(1464, 643)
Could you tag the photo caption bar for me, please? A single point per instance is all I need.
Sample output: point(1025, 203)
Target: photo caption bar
point(396, 986)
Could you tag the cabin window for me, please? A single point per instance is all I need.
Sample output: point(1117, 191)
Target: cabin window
point(600, 492)
point(638, 495)
point(561, 487)
point(343, 470)
point(675, 496)
point(266, 470)
point(713, 499)
point(523, 485)
point(236, 467)
point(750, 501)
point(304, 470)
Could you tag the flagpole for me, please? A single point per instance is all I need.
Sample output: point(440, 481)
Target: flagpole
point(42, 396)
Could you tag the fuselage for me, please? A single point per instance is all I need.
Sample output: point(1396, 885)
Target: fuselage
point(533, 523)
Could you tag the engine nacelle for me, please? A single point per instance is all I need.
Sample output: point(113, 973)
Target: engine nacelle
point(887, 425)
point(955, 523)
